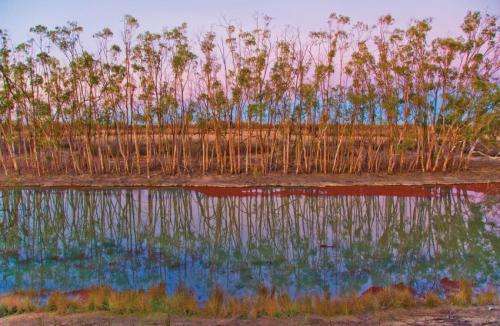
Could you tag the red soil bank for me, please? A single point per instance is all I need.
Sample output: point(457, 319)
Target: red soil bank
point(400, 287)
point(396, 190)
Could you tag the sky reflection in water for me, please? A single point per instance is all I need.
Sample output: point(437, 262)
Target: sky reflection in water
point(135, 238)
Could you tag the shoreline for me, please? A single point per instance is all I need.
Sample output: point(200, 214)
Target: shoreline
point(490, 175)
point(448, 315)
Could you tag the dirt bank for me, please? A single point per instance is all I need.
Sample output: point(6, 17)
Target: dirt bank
point(442, 316)
point(480, 172)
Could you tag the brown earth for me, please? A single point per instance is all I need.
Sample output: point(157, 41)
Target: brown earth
point(438, 316)
point(481, 171)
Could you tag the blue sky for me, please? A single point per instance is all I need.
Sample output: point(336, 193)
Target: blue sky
point(17, 16)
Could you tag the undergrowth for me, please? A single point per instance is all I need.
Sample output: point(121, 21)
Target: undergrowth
point(266, 302)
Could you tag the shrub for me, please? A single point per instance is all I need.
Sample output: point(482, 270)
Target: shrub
point(463, 296)
point(215, 304)
point(59, 302)
point(16, 303)
point(157, 298)
point(431, 300)
point(183, 302)
point(488, 297)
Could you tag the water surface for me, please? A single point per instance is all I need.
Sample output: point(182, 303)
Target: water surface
point(297, 240)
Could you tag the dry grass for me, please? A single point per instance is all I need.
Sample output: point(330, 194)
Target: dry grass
point(267, 302)
point(487, 297)
point(462, 296)
point(432, 300)
point(16, 303)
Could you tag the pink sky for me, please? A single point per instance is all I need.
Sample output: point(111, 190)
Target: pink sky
point(202, 15)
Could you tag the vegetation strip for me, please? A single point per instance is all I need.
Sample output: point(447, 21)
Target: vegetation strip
point(267, 302)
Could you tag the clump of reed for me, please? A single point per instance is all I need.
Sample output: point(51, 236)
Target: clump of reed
point(17, 303)
point(266, 302)
point(487, 297)
point(432, 300)
point(463, 295)
point(61, 303)
point(102, 298)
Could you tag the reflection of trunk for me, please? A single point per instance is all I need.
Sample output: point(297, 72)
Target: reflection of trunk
point(176, 223)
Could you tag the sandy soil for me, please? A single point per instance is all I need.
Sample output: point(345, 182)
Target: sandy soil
point(480, 172)
point(438, 316)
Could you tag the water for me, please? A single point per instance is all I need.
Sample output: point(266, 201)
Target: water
point(299, 241)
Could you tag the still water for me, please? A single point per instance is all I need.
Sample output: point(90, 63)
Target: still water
point(296, 240)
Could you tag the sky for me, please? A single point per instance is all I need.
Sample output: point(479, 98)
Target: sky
point(17, 16)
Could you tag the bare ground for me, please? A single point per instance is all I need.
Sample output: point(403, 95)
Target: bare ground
point(438, 316)
point(481, 171)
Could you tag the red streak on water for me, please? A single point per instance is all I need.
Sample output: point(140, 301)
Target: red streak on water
point(396, 190)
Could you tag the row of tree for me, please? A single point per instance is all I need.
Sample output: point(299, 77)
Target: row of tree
point(347, 99)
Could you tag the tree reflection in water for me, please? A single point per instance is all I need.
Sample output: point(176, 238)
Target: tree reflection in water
point(135, 238)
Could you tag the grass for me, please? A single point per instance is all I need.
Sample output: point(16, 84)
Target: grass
point(432, 300)
point(463, 296)
point(266, 302)
point(488, 297)
point(17, 303)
